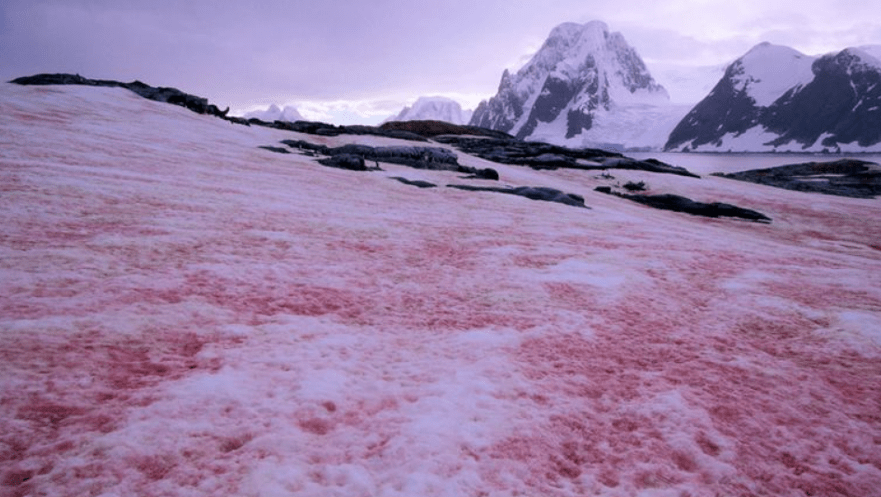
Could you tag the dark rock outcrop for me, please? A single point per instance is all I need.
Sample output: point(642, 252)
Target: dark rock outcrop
point(679, 203)
point(538, 155)
point(414, 182)
point(324, 129)
point(278, 150)
point(434, 158)
point(160, 94)
point(351, 162)
point(531, 192)
point(430, 129)
point(845, 177)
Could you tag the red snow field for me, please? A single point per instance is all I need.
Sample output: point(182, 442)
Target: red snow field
point(183, 313)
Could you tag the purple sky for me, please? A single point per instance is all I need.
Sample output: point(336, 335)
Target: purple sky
point(362, 61)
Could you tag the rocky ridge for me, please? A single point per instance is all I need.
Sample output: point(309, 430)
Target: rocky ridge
point(845, 177)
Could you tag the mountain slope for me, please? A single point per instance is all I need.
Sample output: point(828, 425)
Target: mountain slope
point(775, 98)
point(434, 109)
point(582, 77)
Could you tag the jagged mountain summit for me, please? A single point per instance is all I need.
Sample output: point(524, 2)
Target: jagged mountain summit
point(775, 98)
point(434, 109)
point(275, 113)
point(585, 86)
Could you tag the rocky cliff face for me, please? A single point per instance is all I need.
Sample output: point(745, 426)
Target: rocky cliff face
point(774, 98)
point(580, 76)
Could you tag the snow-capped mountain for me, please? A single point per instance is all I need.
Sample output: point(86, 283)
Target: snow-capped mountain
point(585, 86)
point(434, 109)
point(275, 113)
point(776, 98)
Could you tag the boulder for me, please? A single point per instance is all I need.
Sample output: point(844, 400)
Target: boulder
point(344, 161)
point(679, 203)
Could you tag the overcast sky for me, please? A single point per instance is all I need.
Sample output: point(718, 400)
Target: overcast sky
point(360, 61)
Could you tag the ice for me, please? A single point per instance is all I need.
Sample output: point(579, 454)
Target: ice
point(184, 313)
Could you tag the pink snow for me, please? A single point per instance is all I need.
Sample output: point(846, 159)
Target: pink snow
point(183, 313)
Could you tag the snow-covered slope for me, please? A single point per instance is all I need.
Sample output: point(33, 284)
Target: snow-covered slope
point(183, 313)
point(275, 113)
point(434, 109)
point(580, 88)
point(777, 99)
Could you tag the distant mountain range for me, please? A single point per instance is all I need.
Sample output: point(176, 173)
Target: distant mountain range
point(275, 113)
point(587, 87)
point(434, 109)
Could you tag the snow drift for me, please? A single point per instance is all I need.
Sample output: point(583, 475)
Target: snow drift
point(184, 313)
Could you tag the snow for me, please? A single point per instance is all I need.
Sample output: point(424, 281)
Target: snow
point(758, 139)
point(623, 127)
point(772, 70)
point(571, 53)
point(434, 109)
point(186, 314)
point(873, 51)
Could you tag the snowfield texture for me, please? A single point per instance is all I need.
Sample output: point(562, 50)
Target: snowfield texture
point(185, 314)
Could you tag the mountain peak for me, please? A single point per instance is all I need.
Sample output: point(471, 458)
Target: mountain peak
point(766, 71)
point(580, 72)
point(776, 98)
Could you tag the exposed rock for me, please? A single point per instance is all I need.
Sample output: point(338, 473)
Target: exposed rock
point(160, 94)
point(530, 192)
point(344, 161)
point(324, 129)
point(538, 155)
point(417, 183)
point(487, 173)
point(278, 150)
point(634, 187)
point(430, 129)
point(678, 203)
point(434, 158)
point(845, 177)
point(201, 106)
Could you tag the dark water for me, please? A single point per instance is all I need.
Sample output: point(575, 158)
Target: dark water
point(704, 164)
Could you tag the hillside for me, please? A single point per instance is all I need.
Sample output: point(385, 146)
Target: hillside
point(185, 313)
